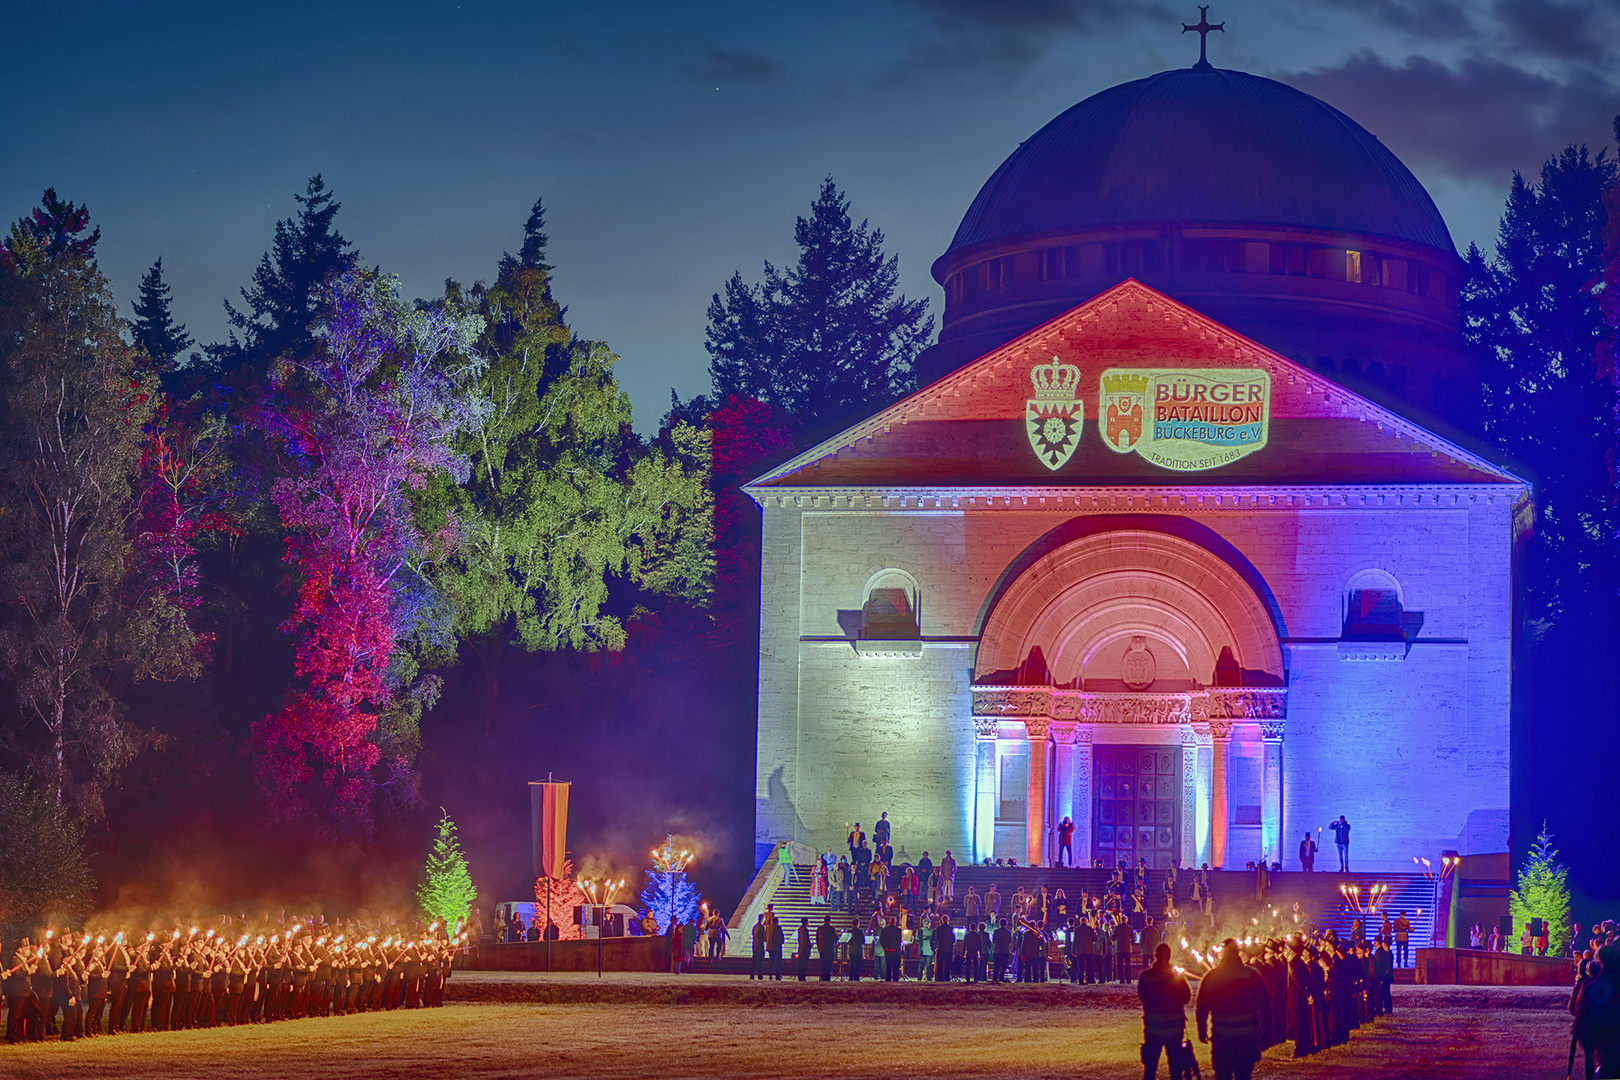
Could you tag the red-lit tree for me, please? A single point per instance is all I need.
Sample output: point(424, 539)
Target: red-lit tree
point(366, 419)
point(182, 499)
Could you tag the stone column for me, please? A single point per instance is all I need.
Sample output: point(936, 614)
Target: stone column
point(1271, 800)
point(1187, 842)
point(1080, 803)
point(985, 793)
point(1062, 780)
point(1219, 813)
point(1204, 828)
point(1035, 819)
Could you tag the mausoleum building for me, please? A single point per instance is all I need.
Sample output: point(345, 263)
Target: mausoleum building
point(1139, 556)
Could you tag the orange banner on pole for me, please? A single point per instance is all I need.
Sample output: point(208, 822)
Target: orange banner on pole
point(548, 805)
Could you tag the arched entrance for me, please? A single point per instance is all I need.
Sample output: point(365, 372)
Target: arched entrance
point(1131, 680)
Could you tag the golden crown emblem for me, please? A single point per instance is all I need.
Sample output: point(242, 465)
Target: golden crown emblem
point(1056, 381)
point(1125, 384)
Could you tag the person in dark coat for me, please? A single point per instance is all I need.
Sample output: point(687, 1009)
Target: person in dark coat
point(1124, 939)
point(973, 953)
point(1001, 944)
point(1085, 945)
point(889, 940)
point(1164, 994)
point(826, 947)
point(756, 968)
point(1597, 1014)
point(801, 962)
point(857, 949)
point(1235, 997)
point(1341, 998)
point(944, 949)
point(1301, 1023)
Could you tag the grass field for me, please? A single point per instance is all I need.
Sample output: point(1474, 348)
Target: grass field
point(629, 1027)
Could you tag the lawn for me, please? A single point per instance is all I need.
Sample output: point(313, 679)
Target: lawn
point(658, 1026)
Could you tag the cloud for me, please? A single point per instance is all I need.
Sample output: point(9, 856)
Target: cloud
point(1479, 119)
point(1571, 31)
point(1002, 37)
point(717, 65)
point(1442, 19)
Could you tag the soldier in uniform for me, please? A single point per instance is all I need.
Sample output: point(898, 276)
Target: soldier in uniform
point(1235, 996)
point(95, 985)
point(1301, 1023)
point(1164, 994)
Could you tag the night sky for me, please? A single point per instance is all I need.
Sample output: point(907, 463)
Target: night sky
point(674, 143)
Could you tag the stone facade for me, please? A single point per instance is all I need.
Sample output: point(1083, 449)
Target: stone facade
point(1057, 618)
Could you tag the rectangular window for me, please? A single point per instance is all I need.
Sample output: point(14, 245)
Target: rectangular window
point(1014, 788)
point(1296, 260)
point(1395, 274)
point(1256, 258)
point(1052, 264)
point(1352, 266)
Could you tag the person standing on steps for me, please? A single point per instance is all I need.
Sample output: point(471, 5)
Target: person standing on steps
point(1065, 831)
point(1341, 840)
point(1307, 853)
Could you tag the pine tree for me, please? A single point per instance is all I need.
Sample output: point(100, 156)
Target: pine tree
point(154, 329)
point(830, 340)
point(284, 301)
point(447, 893)
point(1533, 320)
point(1543, 893)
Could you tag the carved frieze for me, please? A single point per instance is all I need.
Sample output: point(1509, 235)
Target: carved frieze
point(1195, 707)
point(1248, 704)
point(1136, 709)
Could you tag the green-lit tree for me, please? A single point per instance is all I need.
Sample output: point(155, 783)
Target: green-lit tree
point(1543, 893)
point(562, 496)
point(447, 892)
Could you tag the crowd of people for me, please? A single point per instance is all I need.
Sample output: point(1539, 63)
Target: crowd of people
point(105, 980)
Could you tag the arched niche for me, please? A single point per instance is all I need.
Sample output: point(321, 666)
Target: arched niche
point(1075, 602)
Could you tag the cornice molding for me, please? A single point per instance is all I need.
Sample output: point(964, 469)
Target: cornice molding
point(1145, 498)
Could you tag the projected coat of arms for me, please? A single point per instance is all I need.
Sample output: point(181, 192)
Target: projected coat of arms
point(1185, 419)
point(1053, 416)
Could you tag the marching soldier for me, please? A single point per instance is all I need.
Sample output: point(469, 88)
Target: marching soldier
point(1164, 994)
point(1235, 996)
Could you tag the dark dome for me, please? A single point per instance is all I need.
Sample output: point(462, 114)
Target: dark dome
point(1208, 146)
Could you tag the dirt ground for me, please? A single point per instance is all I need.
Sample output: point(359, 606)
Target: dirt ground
point(659, 1026)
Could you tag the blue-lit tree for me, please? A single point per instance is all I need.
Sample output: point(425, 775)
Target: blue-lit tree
point(669, 896)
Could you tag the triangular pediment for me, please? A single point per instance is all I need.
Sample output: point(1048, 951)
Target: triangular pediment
point(1130, 388)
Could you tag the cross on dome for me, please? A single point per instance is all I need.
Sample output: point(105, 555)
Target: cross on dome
point(1203, 28)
